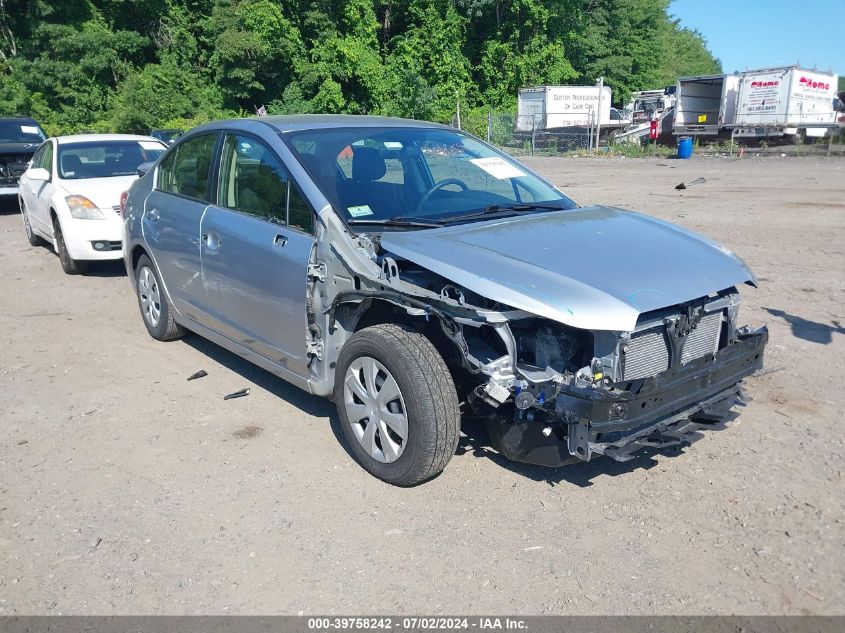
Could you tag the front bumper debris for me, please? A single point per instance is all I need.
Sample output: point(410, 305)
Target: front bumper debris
point(663, 411)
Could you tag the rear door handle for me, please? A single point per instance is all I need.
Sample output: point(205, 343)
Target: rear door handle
point(280, 240)
point(153, 215)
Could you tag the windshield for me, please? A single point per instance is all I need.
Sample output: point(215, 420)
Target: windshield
point(168, 136)
point(21, 132)
point(372, 174)
point(104, 159)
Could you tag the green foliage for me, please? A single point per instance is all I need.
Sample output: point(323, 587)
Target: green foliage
point(256, 48)
point(686, 54)
point(165, 95)
point(131, 66)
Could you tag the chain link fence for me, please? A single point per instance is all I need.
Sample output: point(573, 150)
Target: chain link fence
point(525, 136)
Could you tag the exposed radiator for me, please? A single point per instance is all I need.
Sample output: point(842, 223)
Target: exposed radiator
point(704, 339)
point(648, 351)
point(648, 354)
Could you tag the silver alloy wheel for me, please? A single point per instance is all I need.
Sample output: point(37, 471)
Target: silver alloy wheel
point(150, 297)
point(375, 409)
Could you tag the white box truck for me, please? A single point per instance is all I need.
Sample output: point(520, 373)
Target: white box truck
point(705, 105)
point(785, 102)
point(551, 107)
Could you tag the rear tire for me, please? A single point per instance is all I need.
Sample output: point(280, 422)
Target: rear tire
point(405, 363)
point(70, 265)
point(152, 300)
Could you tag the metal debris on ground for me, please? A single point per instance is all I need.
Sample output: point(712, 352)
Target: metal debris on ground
point(697, 181)
point(237, 394)
point(200, 374)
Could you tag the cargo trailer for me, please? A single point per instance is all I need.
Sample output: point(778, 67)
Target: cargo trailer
point(705, 105)
point(785, 102)
point(555, 107)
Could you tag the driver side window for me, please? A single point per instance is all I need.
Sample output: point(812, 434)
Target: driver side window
point(35, 161)
point(47, 158)
point(254, 181)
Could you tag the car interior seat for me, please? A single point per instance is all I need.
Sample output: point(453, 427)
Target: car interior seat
point(369, 167)
point(71, 166)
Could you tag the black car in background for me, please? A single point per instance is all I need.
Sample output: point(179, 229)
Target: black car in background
point(19, 138)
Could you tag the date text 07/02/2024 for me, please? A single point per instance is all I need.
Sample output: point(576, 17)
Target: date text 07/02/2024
point(415, 623)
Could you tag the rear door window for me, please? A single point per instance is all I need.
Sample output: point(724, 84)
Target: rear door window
point(187, 169)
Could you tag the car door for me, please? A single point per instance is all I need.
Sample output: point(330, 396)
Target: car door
point(40, 193)
point(256, 243)
point(25, 184)
point(171, 221)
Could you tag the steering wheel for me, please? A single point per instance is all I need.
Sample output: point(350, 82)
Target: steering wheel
point(437, 187)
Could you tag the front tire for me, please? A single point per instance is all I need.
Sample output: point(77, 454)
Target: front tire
point(32, 238)
point(70, 265)
point(397, 404)
point(155, 310)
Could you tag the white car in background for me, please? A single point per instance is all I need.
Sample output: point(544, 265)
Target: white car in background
point(70, 194)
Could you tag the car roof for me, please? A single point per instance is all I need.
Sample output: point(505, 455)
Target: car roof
point(98, 138)
point(302, 122)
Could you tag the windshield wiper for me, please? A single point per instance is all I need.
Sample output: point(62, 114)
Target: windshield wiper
point(501, 208)
point(397, 221)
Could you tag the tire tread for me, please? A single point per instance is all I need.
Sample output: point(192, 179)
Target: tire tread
point(435, 390)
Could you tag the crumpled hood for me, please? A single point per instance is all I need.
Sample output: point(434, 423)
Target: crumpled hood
point(595, 268)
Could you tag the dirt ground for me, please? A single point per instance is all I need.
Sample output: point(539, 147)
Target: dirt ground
point(125, 489)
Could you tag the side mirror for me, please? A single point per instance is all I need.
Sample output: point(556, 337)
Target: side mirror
point(143, 168)
point(38, 173)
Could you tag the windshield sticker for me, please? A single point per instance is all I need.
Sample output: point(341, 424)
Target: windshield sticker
point(498, 168)
point(149, 145)
point(29, 129)
point(393, 145)
point(360, 211)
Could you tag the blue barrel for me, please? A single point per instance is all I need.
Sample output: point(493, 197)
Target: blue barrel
point(685, 147)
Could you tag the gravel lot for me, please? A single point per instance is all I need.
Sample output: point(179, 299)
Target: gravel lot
point(125, 489)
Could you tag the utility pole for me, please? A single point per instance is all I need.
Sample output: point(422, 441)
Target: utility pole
point(458, 108)
point(600, 84)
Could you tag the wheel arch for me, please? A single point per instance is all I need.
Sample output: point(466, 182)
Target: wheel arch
point(54, 219)
point(135, 255)
point(379, 310)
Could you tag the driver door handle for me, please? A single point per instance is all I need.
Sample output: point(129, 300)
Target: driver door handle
point(280, 240)
point(212, 240)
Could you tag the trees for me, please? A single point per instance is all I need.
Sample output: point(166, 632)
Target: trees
point(114, 65)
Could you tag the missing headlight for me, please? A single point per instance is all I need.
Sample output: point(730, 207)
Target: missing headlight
point(544, 344)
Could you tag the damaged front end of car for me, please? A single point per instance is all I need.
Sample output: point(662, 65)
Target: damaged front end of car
point(550, 393)
point(681, 369)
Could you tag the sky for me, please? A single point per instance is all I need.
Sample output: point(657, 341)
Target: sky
point(766, 33)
